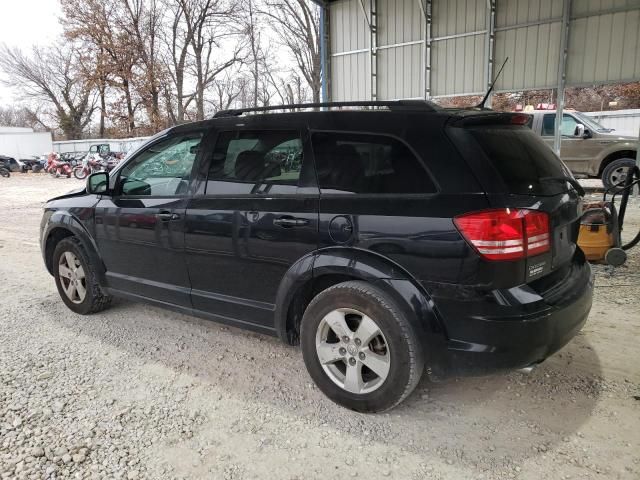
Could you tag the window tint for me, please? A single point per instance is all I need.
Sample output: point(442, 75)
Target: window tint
point(370, 164)
point(162, 169)
point(567, 128)
point(521, 158)
point(255, 162)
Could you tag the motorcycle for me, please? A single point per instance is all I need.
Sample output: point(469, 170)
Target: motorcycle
point(57, 167)
point(89, 165)
point(93, 163)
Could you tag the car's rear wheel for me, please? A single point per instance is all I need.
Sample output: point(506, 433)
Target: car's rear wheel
point(4, 172)
point(76, 280)
point(616, 172)
point(359, 348)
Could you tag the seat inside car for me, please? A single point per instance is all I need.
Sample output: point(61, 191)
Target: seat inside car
point(249, 166)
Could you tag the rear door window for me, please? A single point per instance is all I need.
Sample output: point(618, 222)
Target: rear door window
point(255, 162)
point(354, 163)
point(521, 159)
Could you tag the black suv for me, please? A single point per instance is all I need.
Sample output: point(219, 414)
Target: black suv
point(384, 239)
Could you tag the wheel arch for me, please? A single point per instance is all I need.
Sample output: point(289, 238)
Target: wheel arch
point(63, 224)
point(613, 156)
point(324, 268)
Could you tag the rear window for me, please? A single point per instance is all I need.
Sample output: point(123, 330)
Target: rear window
point(521, 159)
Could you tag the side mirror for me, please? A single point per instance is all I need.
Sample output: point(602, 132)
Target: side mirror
point(98, 183)
point(579, 131)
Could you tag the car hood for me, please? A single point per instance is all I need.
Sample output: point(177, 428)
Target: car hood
point(613, 136)
point(78, 192)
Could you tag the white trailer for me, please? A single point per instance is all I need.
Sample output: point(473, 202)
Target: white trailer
point(115, 145)
point(24, 144)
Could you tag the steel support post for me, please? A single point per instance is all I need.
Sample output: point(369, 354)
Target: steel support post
point(372, 22)
point(562, 76)
point(324, 51)
point(637, 188)
point(373, 48)
point(427, 12)
point(489, 46)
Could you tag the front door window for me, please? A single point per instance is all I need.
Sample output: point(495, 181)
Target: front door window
point(163, 169)
point(567, 128)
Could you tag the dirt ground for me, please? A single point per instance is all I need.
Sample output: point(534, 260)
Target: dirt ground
point(139, 392)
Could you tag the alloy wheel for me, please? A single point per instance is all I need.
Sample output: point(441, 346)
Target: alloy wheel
point(72, 277)
point(353, 351)
point(618, 175)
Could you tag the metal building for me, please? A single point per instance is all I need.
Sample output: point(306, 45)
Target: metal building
point(412, 49)
point(393, 49)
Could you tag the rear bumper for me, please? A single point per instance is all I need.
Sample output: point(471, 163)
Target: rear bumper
point(515, 328)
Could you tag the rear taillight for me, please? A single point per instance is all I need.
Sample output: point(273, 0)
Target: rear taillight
point(506, 234)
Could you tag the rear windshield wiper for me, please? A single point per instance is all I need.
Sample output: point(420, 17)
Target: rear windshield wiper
point(572, 181)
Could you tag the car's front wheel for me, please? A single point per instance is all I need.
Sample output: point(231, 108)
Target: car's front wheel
point(76, 280)
point(359, 348)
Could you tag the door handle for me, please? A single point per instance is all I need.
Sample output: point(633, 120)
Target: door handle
point(166, 216)
point(288, 222)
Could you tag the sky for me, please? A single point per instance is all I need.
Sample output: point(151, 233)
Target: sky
point(26, 23)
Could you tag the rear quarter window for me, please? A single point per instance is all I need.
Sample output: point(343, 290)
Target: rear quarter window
point(368, 164)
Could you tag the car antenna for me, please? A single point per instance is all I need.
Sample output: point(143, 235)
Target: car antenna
point(486, 97)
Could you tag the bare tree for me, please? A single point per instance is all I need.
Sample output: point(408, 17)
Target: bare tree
point(21, 116)
point(296, 24)
point(226, 90)
point(256, 57)
point(142, 20)
point(208, 31)
point(97, 22)
point(177, 44)
point(50, 75)
point(199, 49)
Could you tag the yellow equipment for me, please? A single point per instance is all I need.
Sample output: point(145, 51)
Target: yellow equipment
point(601, 225)
point(596, 230)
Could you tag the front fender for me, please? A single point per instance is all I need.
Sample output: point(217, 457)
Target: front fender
point(358, 264)
point(613, 148)
point(73, 221)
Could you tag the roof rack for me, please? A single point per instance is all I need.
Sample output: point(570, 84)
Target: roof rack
point(407, 105)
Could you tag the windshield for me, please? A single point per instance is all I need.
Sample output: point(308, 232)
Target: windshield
point(590, 123)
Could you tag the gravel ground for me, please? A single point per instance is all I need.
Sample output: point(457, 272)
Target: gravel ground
point(138, 392)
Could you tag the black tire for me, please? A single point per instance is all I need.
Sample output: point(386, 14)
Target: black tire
point(404, 350)
point(79, 173)
point(4, 172)
point(611, 175)
point(95, 300)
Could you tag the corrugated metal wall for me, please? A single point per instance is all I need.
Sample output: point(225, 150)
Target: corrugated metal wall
point(604, 46)
point(400, 48)
point(350, 67)
point(528, 32)
point(458, 62)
